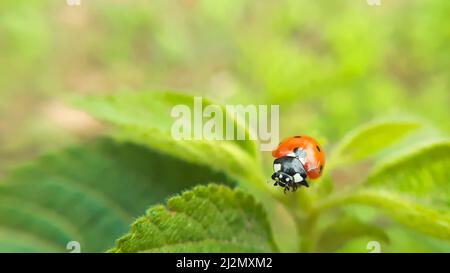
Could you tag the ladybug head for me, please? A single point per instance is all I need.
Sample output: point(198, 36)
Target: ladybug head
point(289, 171)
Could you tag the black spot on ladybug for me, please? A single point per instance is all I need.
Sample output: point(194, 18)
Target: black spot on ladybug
point(297, 136)
point(317, 147)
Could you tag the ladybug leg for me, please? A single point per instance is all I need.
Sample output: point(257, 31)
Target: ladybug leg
point(275, 178)
point(305, 183)
point(292, 185)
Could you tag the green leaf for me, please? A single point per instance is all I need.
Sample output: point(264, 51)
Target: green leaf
point(209, 218)
point(406, 210)
point(407, 240)
point(370, 139)
point(145, 118)
point(423, 173)
point(345, 229)
point(413, 189)
point(88, 194)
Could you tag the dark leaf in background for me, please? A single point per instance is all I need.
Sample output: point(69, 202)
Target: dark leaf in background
point(88, 194)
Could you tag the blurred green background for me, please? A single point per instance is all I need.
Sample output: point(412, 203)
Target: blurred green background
point(331, 65)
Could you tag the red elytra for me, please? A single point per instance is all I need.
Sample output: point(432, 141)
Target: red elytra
point(315, 156)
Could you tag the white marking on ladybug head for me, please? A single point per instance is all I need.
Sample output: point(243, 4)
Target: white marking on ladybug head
point(291, 154)
point(280, 176)
point(301, 153)
point(298, 177)
point(277, 167)
point(302, 160)
point(287, 179)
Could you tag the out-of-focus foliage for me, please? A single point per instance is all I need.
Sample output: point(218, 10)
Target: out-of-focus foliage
point(146, 118)
point(331, 65)
point(348, 228)
point(367, 141)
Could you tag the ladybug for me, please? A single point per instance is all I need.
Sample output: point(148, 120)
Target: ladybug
point(297, 159)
